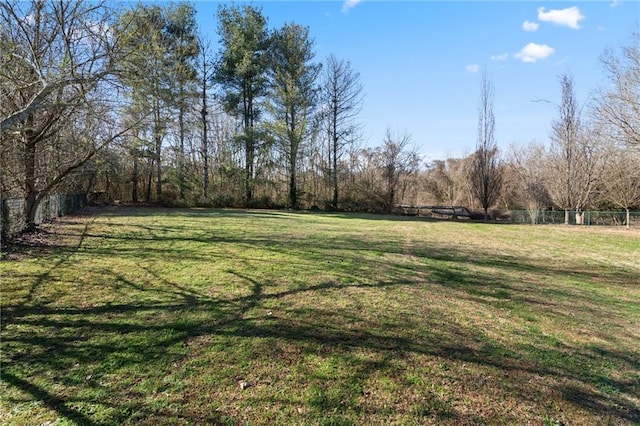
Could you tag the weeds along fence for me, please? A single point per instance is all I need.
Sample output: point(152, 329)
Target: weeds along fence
point(55, 205)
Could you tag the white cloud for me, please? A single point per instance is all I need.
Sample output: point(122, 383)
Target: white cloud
point(532, 52)
point(473, 68)
point(569, 17)
point(500, 57)
point(349, 4)
point(614, 3)
point(29, 19)
point(530, 26)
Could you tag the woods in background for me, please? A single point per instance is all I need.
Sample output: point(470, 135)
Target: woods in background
point(133, 104)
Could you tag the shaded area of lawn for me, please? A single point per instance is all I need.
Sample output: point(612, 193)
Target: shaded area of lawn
point(145, 316)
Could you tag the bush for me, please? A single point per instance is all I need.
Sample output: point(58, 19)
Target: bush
point(170, 197)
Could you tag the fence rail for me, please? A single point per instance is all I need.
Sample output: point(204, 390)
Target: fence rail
point(588, 218)
point(535, 217)
point(55, 205)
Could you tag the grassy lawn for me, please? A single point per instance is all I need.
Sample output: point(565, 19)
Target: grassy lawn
point(150, 316)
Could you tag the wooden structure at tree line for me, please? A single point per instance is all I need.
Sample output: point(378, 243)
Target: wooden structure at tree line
point(456, 212)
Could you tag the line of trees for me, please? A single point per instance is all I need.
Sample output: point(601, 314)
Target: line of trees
point(133, 104)
point(592, 159)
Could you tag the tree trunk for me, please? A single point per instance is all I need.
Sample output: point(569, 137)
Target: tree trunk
point(205, 143)
point(293, 186)
point(390, 199)
point(249, 143)
point(181, 161)
point(30, 210)
point(248, 174)
point(628, 218)
point(335, 174)
point(335, 154)
point(293, 191)
point(566, 216)
point(134, 180)
point(107, 185)
point(158, 145)
point(149, 180)
point(158, 167)
point(30, 204)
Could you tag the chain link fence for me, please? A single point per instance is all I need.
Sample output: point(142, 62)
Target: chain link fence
point(55, 205)
point(587, 218)
point(534, 217)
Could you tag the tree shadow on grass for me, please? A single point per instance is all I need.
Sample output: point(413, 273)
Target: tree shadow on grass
point(49, 351)
point(106, 339)
point(55, 403)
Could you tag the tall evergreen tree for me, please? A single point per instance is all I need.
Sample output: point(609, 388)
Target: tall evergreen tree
point(242, 73)
point(146, 76)
point(160, 76)
point(294, 96)
point(183, 51)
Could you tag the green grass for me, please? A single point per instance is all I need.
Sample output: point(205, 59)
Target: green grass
point(150, 316)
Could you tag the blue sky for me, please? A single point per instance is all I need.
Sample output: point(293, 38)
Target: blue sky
point(421, 61)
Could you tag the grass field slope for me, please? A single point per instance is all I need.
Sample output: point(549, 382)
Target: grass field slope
point(143, 316)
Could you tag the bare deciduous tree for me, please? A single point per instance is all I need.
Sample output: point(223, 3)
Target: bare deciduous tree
point(448, 181)
point(56, 64)
point(395, 158)
point(486, 174)
point(342, 99)
point(439, 182)
point(572, 160)
point(205, 75)
point(619, 105)
point(528, 161)
point(620, 180)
